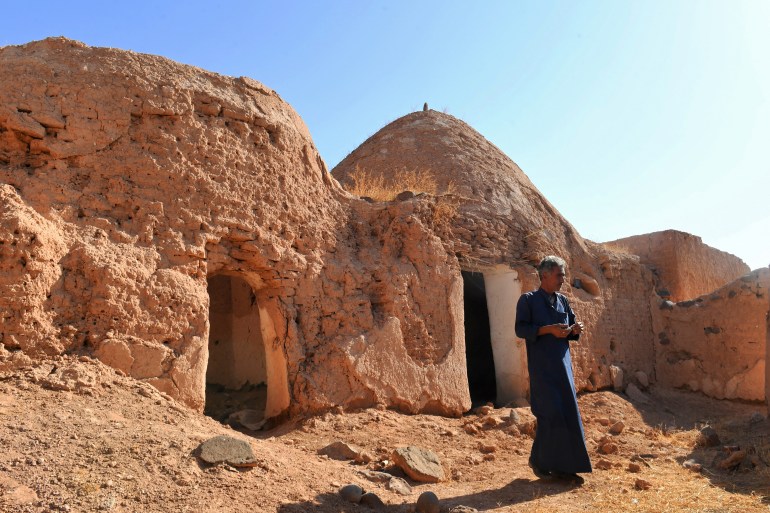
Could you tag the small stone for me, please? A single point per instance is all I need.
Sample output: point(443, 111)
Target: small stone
point(692, 465)
point(419, 464)
point(471, 429)
point(490, 421)
point(733, 460)
point(616, 373)
point(642, 379)
point(707, 437)
point(634, 468)
point(375, 476)
point(608, 448)
point(617, 428)
point(398, 485)
point(253, 420)
point(603, 464)
point(484, 410)
point(364, 457)
point(428, 502)
point(340, 451)
point(756, 418)
point(604, 421)
point(463, 509)
point(371, 500)
point(641, 484)
point(487, 448)
point(352, 493)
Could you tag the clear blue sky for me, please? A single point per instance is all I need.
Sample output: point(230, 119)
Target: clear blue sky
point(630, 116)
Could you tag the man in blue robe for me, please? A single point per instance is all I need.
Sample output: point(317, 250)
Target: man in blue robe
point(545, 320)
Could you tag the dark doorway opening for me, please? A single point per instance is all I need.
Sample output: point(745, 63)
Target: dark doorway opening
point(478, 343)
point(236, 376)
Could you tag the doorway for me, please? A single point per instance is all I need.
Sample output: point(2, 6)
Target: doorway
point(496, 359)
point(236, 376)
point(478, 344)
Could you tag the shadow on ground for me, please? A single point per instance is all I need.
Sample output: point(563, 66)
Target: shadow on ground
point(515, 492)
point(740, 425)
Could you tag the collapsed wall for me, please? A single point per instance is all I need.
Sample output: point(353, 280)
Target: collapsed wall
point(134, 187)
point(716, 343)
point(684, 266)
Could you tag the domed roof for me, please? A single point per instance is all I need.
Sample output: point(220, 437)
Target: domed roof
point(465, 164)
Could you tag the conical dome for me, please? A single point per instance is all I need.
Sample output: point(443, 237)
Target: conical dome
point(490, 187)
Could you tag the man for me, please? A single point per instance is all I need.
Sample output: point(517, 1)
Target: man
point(545, 320)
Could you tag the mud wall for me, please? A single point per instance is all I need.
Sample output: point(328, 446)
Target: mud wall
point(127, 180)
point(716, 343)
point(685, 267)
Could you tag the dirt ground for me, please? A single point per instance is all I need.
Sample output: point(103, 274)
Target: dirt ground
point(77, 436)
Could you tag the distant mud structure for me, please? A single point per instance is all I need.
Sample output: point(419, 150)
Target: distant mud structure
point(180, 226)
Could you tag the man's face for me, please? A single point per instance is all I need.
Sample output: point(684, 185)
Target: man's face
point(552, 280)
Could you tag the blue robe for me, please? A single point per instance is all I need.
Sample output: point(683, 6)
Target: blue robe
point(559, 444)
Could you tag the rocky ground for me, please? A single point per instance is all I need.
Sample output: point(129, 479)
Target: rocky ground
point(77, 436)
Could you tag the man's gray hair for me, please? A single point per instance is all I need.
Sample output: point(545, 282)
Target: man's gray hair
point(550, 263)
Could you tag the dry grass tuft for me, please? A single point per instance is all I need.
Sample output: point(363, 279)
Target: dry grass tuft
point(380, 189)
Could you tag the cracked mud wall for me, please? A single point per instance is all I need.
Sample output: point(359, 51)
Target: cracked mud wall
point(501, 219)
point(127, 180)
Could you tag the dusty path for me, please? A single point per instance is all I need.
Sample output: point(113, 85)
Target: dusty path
point(76, 436)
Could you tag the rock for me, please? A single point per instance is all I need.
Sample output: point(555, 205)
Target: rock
point(634, 468)
point(371, 500)
point(732, 460)
point(608, 447)
point(707, 437)
point(490, 422)
point(603, 464)
point(398, 485)
point(364, 457)
point(340, 451)
point(604, 421)
point(375, 476)
point(692, 465)
point(352, 493)
point(524, 421)
point(641, 484)
point(428, 502)
point(642, 379)
point(463, 509)
point(487, 448)
point(636, 395)
point(484, 410)
point(226, 449)
point(616, 374)
point(617, 428)
point(250, 419)
point(756, 418)
point(419, 464)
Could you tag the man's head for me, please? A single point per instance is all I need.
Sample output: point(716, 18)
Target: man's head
point(551, 271)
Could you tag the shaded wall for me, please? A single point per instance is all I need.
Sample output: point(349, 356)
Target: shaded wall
point(716, 343)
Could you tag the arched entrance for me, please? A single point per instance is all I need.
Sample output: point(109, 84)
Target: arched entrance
point(238, 377)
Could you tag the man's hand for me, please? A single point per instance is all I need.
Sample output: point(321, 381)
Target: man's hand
point(577, 328)
point(559, 330)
